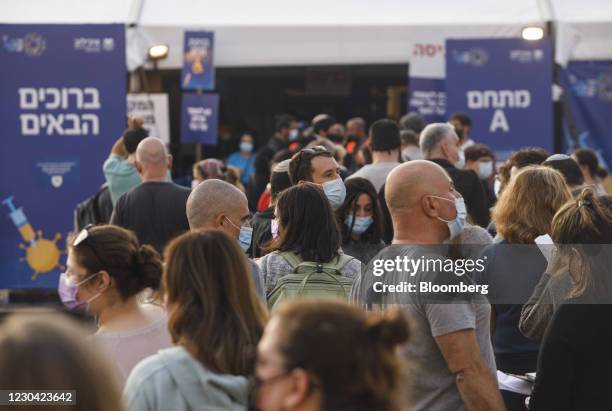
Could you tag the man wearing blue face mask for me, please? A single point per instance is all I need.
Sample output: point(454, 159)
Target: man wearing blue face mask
point(426, 211)
point(244, 159)
point(439, 143)
point(317, 165)
point(220, 205)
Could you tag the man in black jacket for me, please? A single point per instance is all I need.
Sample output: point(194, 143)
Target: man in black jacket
point(439, 143)
point(286, 127)
point(262, 221)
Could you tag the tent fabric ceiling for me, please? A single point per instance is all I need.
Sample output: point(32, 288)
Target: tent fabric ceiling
point(281, 32)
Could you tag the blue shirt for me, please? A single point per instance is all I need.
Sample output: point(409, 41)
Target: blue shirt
point(120, 175)
point(245, 165)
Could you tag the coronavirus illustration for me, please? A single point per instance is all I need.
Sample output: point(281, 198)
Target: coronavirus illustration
point(41, 254)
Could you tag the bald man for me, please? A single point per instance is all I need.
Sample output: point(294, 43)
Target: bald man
point(219, 205)
point(452, 346)
point(154, 209)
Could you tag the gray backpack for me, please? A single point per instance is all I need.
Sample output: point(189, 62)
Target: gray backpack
point(311, 280)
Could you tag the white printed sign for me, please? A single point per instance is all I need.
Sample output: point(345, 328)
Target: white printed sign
point(153, 107)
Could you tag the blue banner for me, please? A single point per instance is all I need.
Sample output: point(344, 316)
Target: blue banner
point(198, 69)
point(505, 86)
point(199, 118)
point(588, 114)
point(62, 105)
point(427, 96)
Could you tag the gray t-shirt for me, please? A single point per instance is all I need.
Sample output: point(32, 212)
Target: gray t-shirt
point(273, 266)
point(376, 173)
point(432, 385)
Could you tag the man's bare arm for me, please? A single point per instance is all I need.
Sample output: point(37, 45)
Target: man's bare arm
point(475, 382)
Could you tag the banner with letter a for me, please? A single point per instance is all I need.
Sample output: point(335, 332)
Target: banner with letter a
point(62, 106)
point(505, 86)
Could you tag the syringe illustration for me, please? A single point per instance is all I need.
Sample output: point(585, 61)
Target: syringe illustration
point(42, 255)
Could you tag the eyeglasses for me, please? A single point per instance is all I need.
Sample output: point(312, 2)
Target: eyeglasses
point(82, 237)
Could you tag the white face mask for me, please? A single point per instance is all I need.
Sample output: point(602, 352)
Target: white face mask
point(485, 170)
point(294, 134)
point(456, 225)
point(335, 191)
point(460, 163)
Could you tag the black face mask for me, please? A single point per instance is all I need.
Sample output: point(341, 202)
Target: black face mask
point(459, 132)
point(255, 384)
point(336, 138)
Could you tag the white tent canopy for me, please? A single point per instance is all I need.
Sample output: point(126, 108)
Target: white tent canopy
point(281, 32)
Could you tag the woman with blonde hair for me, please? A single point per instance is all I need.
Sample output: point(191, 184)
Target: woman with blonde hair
point(515, 264)
point(215, 318)
point(49, 352)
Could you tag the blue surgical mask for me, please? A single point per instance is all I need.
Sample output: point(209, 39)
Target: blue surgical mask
point(456, 225)
point(245, 236)
point(246, 147)
point(335, 191)
point(361, 224)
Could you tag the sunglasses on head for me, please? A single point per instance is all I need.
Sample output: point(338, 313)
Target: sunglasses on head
point(82, 237)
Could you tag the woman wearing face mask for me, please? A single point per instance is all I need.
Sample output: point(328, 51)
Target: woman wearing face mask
point(107, 270)
point(480, 159)
point(360, 220)
point(305, 226)
point(514, 266)
point(216, 320)
point(244, 159)
point(321, 355)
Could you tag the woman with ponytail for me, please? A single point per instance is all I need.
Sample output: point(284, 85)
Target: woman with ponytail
point(330, 356)
point(108, 272)
point(575, 357)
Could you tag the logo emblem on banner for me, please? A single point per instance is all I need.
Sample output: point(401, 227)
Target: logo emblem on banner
point(32, 44)
point(56, 181)
point(474, 57)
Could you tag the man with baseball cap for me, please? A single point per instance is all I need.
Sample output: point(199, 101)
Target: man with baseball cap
point(385, 144)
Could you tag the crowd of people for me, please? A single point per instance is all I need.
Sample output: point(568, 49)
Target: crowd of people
point(249, 288)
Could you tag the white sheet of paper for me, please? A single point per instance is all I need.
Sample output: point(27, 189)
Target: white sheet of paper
point(509, 383)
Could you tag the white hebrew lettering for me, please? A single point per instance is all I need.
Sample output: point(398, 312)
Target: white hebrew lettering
point(474, 99)
point(27, 98)
point(94, 104)
point(29, 124)
point(75, 129)
point(95, 124)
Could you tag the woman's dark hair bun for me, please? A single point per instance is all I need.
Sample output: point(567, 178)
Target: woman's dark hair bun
point(149, 266)
point(388, 330)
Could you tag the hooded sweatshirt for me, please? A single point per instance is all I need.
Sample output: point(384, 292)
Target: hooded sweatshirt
point(174, 380)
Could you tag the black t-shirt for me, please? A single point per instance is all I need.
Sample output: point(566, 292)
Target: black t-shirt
point(155, 211)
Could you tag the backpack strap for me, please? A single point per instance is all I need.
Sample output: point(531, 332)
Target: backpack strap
point(292, 258)
point(295, 261)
